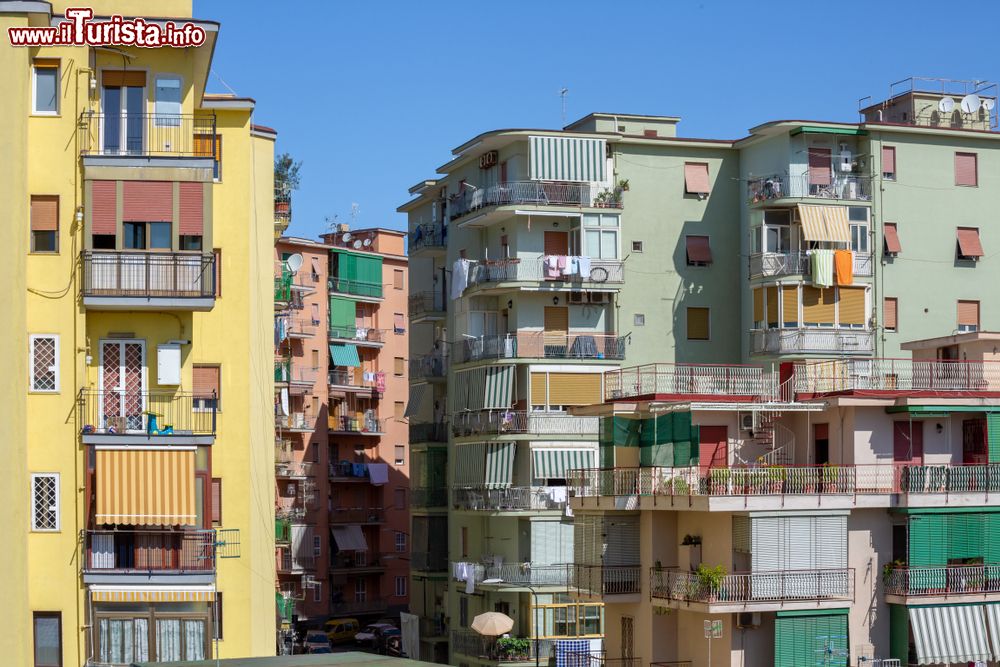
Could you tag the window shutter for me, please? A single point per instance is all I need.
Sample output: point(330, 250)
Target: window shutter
point(698, 323)
point(772, 306)
point(115, 77)
point(696, 178)
point(104, 207)
point(758, 305)
point(538, 389)
point(148, 201)
point(621, 539)
point(852, 305)
point(888, 159)
point(968, 242)
point(556, 243)
point(398, 409)
point(889, 313)
point(217, 501)
point(397, 365)
point(817, 305)
point(397, 279)
point(790, 305)
point(966, 169)
point(766, 544)
point(398, 325)
point(799, 548)
point(205, 380)
point(203, 145)
point(968, 313)
point(44, 213)
point(545, 542)
point(556, 320)
point(192, 209)
point(819, 166)
point(699, 249)
point(218, 271)
point(574, 388)
point(891, 234)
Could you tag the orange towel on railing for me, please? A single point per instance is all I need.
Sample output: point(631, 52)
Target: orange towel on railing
point(843, 267)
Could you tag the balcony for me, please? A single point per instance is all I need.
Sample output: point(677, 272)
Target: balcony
point(506, 575)
point(172, 136)
point(293, 469)
point(298, 379)
point(286, 563)
point(296, 422)
point(427, 306)
point(347, 563)
point(345, 471)
point(935, 377)
point(429, 432)
point(157, 417)
point(707, 382)
point(753, 589)
point(283, 290)
point(841, 186)
point(428, 498)
point(368, 425)
point(951, 581)
point(602, 580)
point(811, 341)
point(509, 499)
point(777, 264)
point(358, 288)
point(303, 327)
point(429, 561)
point(532, 193)
point(148, 280)
point(540, 345)
point(360, 336)
point(111, 554)
point(365, 515)
point(505, 422)
point(538, 270)
point(496, 649)
point(353, 381)
point(429, 367)
point(429, 239)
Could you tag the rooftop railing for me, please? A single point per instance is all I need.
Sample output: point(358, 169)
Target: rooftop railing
point(754, 587)
point(537, 193)
point(821, 377)
point(508, 499)
point(497, 422)
point(154, 413)
point(811, 340)
point(724, 380)
point(942, 581)
point(603, 580)
point(147, 135)
point(173, 275)
point(149, 551)
point(540, 345)
point(540, 269)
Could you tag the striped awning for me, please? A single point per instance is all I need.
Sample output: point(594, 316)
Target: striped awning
point(349, 538)
point(470, 464)
point(418, 396)
point(499, 387)
point(949, 634)
point(825, 223)
point(556, 463)
point(144, 487)
point(483, 388)
point(993, 623)
point(567, 159)
point(345, 354)
point(499, 464)
point(152, 595)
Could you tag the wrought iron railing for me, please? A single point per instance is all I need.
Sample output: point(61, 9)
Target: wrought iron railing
point(497, 422)
point(147, 135)
point(149, 551)
point(819, 340)
point(521, 574)
point(942, 581)
point(607, 579)
point(359, 335)
point(429, 235)
point(851, 187)
point(540, 345)
point(496, 649)
point(727, 380)
point(820, 377)
point(508, 499)
point(538, 193)
point(341, 424)
point(428, 366)
point(541, 269)
point(753, 587)
point(427, 303)
point(153, 413)
point(150, 275)
point(355, 287)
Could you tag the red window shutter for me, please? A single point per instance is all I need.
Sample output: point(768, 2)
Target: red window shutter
point(104, 207)
point(968, 242)
point(650, 133)
point(148, 201)
point(890, 308)
point(819, 166)
point(696, 178)
point(888, 159)
point(821, 431)
point(555, 243)
point(965, 169)
point(192, 209)
point(891, 235)
point(698, 249)
point(217, 501)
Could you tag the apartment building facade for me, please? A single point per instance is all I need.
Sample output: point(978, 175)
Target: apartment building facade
point(138, 264)
point(720, 306)
point(342, 524)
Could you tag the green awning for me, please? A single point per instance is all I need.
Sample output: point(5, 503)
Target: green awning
point(470, 464)
point(345, 354)
point(499, 387)
point(556, 463)
point(499, 464)
point(813, 129)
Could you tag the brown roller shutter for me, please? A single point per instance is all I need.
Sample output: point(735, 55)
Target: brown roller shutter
point(819, 166)
point(205, 380)
point(148, 201)
point(192, 209)
point(556, 243)
point(818, 305)
point(758, 305)
point(216, 501)
point(104, 207)
point(966, 169)
point(117, 77)
point(538, 388)
point(852, 305)
point(790, 305)
point(44, 213)
point(889, 313)
point(556, 321)
point(968, 313)
point(772, 306)
point(574, 388)
point(698, 327)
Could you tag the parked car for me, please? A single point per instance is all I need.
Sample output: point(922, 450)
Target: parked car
point(320, 649)
point(370, 632)
point(341, 630)
point(388, 639)
point(315, 639)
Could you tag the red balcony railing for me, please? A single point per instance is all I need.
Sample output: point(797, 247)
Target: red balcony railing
point(149, 551)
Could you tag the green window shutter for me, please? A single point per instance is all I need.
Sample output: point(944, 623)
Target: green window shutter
point(369, 270)
point(342, 317)
point(346, 266)
point(819, 639)
point(993, 436)
point(899, 633)
point(991, 537)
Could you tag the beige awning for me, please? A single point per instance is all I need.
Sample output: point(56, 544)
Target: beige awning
point(145, 487)
point(824, 223)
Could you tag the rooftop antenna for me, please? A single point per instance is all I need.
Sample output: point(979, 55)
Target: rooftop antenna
point(331, 223)
point(355, 212)
point(562, 96)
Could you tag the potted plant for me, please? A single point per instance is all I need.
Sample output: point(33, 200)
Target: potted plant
point(286, 179)
point(889, 567)
point(710, 581)
point(719, 481)
point(513, 648)
point(775, 478)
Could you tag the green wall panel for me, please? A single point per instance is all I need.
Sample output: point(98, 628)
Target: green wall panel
point(899, 633)
point(993, 436)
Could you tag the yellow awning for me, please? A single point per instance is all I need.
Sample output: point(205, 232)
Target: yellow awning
point(152, 596)
point(824, 223)
point(145, 487)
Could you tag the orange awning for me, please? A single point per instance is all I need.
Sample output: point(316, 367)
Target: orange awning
point(968, 242)
point(699, 249)
point(149, 595)
point(696, 178)
point(892, 238)
point(143, 487)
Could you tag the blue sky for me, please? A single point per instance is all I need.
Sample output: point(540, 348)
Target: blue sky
point(372, 96)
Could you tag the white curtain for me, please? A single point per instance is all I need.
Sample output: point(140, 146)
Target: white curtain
point(168, 639)
point(141, 626)
point(116, 639)
point(102, 551)
point(194, 640)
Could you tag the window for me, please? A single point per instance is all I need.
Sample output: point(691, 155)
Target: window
point(650, 133)
point(699, 251)
point(463, 610)
point(45, 87)
point(47, 632)
point(397, 279)
point(398, 324)
point(968, 316)
point(317, 591)
point(45, 502)
point(969, 245)
point(44, 363)
point(103, 241)
point(167, 104)
point(397, 366)
point(190, 242)
point(636, 246)
point(216, 501)
point(207, 387)
point(217, 614)
point(400, 455)
point(777, 231)
point(465, 544)
point(600, 235)
point(398, 409)
point(44, 223)
point(889, 163)
point(890, 309)
point(891, 244)
point(317, 546)
point(146, 236)
point(639, 319)
point(400, 541)
point(400, 587)
point(399, 498)
point(697, 323)
point(966, 169)
point(205, 145)
point(858, 216)
point(696, 179)
point(360, 590)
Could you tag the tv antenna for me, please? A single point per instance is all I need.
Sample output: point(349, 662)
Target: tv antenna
point(331, 223)
point(563, 92)
point(355, 212)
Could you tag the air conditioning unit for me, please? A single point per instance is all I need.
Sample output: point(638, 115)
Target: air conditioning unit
point(748, 620)
point(577, 297)
point(599, 297)
point(746, 421)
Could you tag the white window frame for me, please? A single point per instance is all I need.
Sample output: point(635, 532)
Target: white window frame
point(34, 91)
point(601, 228)
point(400, 461)
point(31, 363)
point(34, 516)
point(400, 542)
point(400, 587)
point(164, 120)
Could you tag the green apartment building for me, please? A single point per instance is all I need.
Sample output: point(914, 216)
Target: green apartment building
point(605, 315)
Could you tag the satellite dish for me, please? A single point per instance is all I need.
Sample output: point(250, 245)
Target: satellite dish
point(368, 242)
point(346, 238)
point(357, 244)
point(989, 103)
point(294, 262)
point(970, 103)
point(946, 105)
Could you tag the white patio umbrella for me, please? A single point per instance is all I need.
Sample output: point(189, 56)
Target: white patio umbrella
point(492, 624)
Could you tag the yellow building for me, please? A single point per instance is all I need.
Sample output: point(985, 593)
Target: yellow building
point(137, 409)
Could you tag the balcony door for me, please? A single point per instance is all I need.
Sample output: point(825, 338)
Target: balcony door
point(908, 442)
point(713, 447)
point(123, 100)
point(123, 385)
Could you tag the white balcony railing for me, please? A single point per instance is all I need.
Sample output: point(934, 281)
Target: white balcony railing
point(509, 499)
point(527, 573)
point(500, 422)
point(726, 380)
point(822, 377)
point(818, 340)
point(850, 187)
point(539, 269)
point(766, 264)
